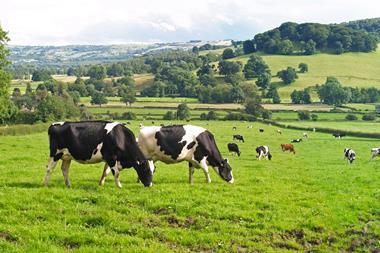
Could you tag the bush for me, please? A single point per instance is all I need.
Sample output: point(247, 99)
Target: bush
point(211, 115)
point(303, 115)
point(266, 114)
point(169, 115)
point(369, 117)
point(351, 117)
point(239, 116)
point(25, 117)
point(129, 116)
point(314, 117)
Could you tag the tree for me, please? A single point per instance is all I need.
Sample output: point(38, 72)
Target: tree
point(285, 47)
point(254, 67)
point(303, 67)
point(183, 111)
point(237, 94)
point(263, 80)
point(116, 69)
point(288, 75)
point(351, 117)
point(248, 46)
point(309, 47)
point(296, 97)
point(128, 95)
point(169, 115)
point(207, 80)
point(338, 48)
point(253, 107)
point(98, 98)
point(229, 67)
point(51, 108)
point(303, 115)
point(333, 93)
point(7, 108)
point(97, 72)
point(41, 75)
point(273, 93)
point(306, 98)
point(228, 53)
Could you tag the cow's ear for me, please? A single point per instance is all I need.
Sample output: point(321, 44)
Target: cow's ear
point(226, 160)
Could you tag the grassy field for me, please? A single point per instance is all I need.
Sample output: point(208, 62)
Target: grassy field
point(309, 202)
point(351, 69)
point(321, 116)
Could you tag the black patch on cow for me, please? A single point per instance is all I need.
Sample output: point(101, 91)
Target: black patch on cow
point(191, 145)
point(169, 140)
point(96, 150)
point(207, 147)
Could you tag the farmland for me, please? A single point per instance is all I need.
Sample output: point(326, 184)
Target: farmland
point(311, 201)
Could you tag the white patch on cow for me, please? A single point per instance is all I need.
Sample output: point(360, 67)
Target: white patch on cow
point(110, 126)
point(375, 152)
point(96, 157)
point(58, 123)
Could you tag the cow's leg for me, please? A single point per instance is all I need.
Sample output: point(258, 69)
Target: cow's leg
point(65, 171)
point(106, 171)
point(205, 170)
point(49, 169)
point(191, 172)
point(116, 174)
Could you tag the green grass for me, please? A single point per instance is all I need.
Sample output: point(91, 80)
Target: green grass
point(351, 69)
point(312, 201)
point(321, 116)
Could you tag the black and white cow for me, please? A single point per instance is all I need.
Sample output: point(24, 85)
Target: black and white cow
point(349, 154)
point(263, 151)
point(238, 137)
point(261, 130)
point(233, 148)
point(174, 144)
point(375, 152)
point(296, 140)
point(90, 142)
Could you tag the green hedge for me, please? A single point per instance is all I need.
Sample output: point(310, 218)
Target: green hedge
point(325, 130)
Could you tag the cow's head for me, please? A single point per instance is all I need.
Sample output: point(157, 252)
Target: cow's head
point(144, 172)
point(225, 171)
point(352, 157)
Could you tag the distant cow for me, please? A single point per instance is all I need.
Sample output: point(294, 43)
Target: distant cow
point(238, 137)
point(263, 151)
point(233, 148)
point(234, 128)
point(289, 147)
point(261, 130)
point(305, 135)
point(174, 144)
point(279, 131)
point(375, 152)
point(338, 135)
point(296, 140)
point(349, 154)
point(250, 127)
point(90, 142)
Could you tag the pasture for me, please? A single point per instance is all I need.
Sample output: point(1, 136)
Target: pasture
point(312, 201)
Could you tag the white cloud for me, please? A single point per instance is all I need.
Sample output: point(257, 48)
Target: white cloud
point(116, 21)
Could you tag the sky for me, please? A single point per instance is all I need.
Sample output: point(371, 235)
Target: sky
point(67, 22)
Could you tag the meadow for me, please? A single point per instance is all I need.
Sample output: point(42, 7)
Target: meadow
point(312, 201)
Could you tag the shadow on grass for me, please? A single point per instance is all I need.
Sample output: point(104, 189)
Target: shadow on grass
point(24, 185)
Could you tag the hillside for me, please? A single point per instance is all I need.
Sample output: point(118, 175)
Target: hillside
point(352, 69)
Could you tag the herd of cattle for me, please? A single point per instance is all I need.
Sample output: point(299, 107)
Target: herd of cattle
point(89, 142)
point(263, 151)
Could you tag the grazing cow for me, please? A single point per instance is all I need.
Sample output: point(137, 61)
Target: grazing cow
point(263, 151)
point(338, 135)
point(152, 122)
point(305, 135)
point(250, 127)
point(375, 152)
point(261, 130)
point(90, 142)
point(314, 129)
point(289, 147)
point(173, 144)
point(234, 128)
point(296, 140)
point(279, 131)
point(349, 154)
point(233, 148)
point(238, 137)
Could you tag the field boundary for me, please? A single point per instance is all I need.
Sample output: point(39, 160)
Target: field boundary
point(23, 129)
point(323, 129)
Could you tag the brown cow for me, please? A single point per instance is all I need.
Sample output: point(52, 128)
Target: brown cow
point(289, 147)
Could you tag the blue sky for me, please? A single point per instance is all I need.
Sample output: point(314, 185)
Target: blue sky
point(57, 22)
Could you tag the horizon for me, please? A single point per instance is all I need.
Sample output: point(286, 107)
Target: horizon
point(117, 22)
